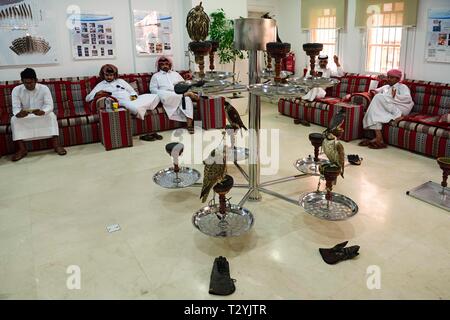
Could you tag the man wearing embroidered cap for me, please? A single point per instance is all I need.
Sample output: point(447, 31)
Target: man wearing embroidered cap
point(391, 102)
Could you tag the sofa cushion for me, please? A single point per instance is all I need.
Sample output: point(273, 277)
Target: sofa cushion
point(423, 128)
point(429, 97)
point(350, 83)
point(5, 98)
point(78, 120)
point(78, 92)
point(142, 80)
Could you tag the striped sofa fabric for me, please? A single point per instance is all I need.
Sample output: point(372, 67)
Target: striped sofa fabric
point(430, 98)
point(321, 111)
point(78, 121)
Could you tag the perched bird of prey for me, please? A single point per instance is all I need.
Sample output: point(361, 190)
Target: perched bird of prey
point(213, 174)
point(197, 23)
point(267, 16)
point(233, 117)
point(337, 121)
point(334, 150)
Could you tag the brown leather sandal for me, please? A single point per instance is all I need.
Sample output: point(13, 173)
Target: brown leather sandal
point(191, 130)
point(365, 143)
point(60, 151)
point(377, 145)
point(19, 155)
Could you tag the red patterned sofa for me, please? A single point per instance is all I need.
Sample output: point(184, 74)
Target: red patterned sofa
point(78, 122)
point(430, 99)
point(321, 111)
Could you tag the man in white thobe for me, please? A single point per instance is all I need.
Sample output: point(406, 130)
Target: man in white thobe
point(325, 72)
point(162, 84)
point(391, 102)
point(127, 97)
point(33, 117)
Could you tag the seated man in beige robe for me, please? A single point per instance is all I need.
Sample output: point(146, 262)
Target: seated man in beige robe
point(33, 117)
point(391, 102)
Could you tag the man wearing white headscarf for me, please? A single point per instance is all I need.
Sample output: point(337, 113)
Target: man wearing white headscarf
point(325, 72)
point(162, 84)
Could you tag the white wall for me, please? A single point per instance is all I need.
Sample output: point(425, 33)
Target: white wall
point(421, 69)
point(351, 48)
point(125, 53)
point(287, 14)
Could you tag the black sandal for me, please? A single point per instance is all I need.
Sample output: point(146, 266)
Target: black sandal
point(354, 159)
point(158, 136)
point(339, 253)
point(148, 137)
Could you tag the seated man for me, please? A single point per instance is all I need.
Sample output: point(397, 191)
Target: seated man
point(33, 117)
point(325, 72)
point(162, 83)
point(123, 92)
point(391, 102)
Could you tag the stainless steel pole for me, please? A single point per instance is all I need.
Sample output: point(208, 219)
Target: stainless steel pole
point(254, 127)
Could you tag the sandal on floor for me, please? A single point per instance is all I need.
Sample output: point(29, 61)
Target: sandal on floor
point(191, 130)
point(365, 143)
point(61, 151)
point(158, 136)
point(148, 137)
point(19, 155)
point(377, 145)
point(354, 159)
point(302, 122)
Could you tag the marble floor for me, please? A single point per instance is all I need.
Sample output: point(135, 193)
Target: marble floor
point(54, 212)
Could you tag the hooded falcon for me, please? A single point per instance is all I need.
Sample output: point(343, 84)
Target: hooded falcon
point(334, 149)
point(197, 23)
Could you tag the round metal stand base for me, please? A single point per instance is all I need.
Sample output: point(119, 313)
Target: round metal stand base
point(167, 178)
point(308, 166)
point(236, 221)
point(338, 209)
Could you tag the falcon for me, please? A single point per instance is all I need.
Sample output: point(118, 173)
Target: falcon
point(334, 150)
point(233, 117)
point(197, 23)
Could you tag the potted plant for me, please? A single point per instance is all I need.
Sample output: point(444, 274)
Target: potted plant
point(222, 31)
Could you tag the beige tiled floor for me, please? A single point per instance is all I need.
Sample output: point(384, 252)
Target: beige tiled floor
point(54, 212)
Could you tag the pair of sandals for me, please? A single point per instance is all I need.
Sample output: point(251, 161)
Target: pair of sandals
point(22, 154)
point(151, 137)
point(302, 122)
point(372, 144)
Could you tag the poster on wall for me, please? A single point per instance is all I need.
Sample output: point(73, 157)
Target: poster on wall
point(92, 36)
point(438, 36)
point(153, 32)
point(27, 33)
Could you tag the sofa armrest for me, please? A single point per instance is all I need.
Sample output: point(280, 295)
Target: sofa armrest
point(362, 98)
